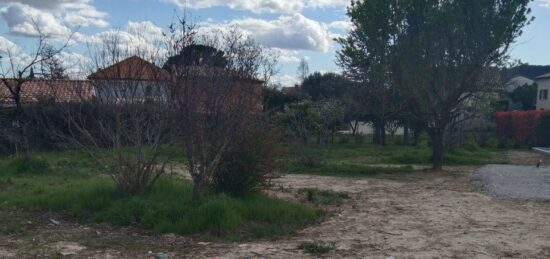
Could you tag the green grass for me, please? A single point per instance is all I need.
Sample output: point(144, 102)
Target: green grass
point(324, 197)
point(349, 158)
point(72, 187)
point(316, 247)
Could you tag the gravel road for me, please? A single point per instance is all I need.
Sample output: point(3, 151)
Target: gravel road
point(516, 181)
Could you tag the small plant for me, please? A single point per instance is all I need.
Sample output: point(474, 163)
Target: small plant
point(317, 247)
point(324, 197)
point(34, 166)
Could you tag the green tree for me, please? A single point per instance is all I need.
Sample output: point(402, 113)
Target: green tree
point(526, 95)
point(324, 86)
point(302, 119)
point(434, 51)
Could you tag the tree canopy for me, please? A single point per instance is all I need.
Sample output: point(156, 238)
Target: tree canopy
point(433, 51)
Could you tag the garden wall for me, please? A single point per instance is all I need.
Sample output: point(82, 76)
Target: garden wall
point(521, 126)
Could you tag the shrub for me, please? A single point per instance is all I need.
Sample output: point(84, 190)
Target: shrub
point(247, 164)
point(34, 166)
point(324, 197)
point(317, 247)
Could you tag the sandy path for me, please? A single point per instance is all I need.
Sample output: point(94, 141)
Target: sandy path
point(420, 215)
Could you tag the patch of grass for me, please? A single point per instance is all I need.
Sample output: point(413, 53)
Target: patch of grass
point(76, 190)
point(21, 166)
point(365, 158)
point(316, 247)
point(324, 197)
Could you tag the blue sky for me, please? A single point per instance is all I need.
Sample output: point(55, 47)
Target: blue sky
point(295, 28)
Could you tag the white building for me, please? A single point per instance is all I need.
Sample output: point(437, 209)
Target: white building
point(543, 83)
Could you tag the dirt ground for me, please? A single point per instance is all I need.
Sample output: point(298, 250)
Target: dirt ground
point(419, 215)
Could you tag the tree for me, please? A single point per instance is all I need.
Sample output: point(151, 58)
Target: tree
point(526, 95)
point(303, 69)
point(436, 50)
point(324, 86)
point(50, 64)
point(214, 103)
point(365, 58)
point(126, 126)
point(16, 69)
point(197, 55)
point(302, 119)
point(331, 115)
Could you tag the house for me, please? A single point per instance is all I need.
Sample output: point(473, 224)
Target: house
point(543, 82)
point(36, 90)
point(505, 102)
point(134, 79)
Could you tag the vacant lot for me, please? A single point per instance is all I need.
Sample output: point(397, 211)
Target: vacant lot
point(417, 215)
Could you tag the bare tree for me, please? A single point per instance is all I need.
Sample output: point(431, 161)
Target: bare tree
point(213, 103)
point(16, 69)
point(303, 70)
point(121, 116)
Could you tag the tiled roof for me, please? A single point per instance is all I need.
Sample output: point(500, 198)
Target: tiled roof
point(60, 90)
point(132, 68)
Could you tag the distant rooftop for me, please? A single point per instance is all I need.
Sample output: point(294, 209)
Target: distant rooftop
point(544, 76)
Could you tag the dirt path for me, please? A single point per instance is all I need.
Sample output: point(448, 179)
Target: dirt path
point(421, 215)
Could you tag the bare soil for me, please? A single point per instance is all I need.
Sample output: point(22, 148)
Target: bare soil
point(420, 215)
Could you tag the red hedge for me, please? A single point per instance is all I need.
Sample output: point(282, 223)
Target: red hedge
point(519, 125)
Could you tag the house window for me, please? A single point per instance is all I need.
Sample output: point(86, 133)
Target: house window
point(543, 94)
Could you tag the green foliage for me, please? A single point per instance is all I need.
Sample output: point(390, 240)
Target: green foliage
point(247, 164)
point(364, 159)
point(317, 247)
point(34, 166)
point(301, 119)
point(166, 208)
point(526, 95)
point(324, 197)
point(325, 86)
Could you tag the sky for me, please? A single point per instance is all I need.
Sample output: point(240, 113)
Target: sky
point(295, 29)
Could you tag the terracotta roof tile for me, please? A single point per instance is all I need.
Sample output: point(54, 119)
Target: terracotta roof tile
point(133, 68)
point(60, 90)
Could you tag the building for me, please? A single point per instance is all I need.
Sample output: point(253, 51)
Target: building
point(543, 82)
point(135, 79)
point(129, 80)
point(37, 90)
point(504, 101)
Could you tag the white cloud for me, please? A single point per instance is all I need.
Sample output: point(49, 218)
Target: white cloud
point(287, 80)
point(543, 3)
point(340, 25)
point(288, 32)
point(137, 38)
point(262, 6)
point(53, 17)
point(11, 55)
point(27, 21)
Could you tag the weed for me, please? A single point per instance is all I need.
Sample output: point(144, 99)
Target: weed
point(317, 247)
point(324, 197)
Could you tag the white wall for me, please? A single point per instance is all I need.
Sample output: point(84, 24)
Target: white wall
point(544, 84)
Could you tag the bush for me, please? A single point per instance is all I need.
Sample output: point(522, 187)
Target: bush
point(247, 164)
point(359, 139)
point(34, 166)
point(316, 247)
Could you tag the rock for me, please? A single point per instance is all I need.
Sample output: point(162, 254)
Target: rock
point(55, 222)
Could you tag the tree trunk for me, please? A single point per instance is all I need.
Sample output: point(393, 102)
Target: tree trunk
point(405, 134)
point(438, 149)
point(383, 133)
point(197, 191)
